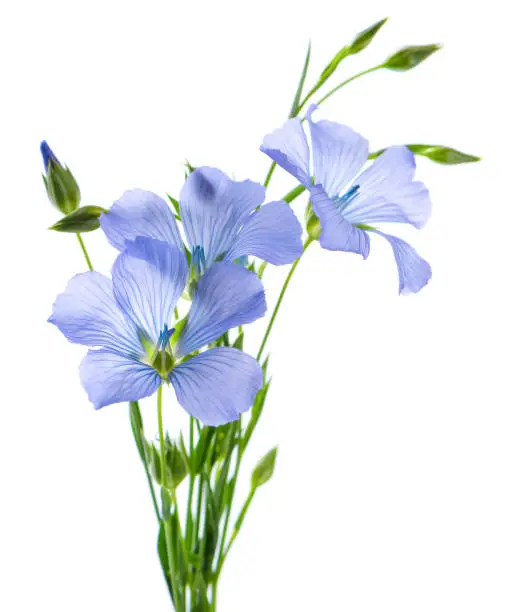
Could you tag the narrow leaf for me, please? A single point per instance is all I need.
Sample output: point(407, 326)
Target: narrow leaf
point(297, 98)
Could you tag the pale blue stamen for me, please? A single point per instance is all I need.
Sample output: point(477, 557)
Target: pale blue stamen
point(164, 338)
point(348, 198)
point(198, 259)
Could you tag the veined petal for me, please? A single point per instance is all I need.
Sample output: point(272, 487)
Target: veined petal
point(413, 271)
point(338, 153)
point(213, 208)
point(87, 313)
point(217, 385)
point(148, 279)
point(109, 378)
point(140, 213)
point(271, 233)
point(387, 192)
point(337, 233)
point(226, 296)
point(288, 147)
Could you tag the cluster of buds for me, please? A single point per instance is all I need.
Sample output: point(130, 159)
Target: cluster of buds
point(64, 193)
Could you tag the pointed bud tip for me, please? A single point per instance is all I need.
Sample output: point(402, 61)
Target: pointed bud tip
point(48, 155)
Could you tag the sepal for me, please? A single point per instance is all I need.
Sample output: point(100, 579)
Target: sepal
point(84, 219)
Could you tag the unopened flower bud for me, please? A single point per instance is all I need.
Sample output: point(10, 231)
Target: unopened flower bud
point(313, 225)
point(61, 185)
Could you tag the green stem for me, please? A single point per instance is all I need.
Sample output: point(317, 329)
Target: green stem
point(280, 299)
point(234, 480)
point(269, 174)
point(237, 527)
point(344, 83)
point(166, 524)
point(86, 255)
point(189, 513)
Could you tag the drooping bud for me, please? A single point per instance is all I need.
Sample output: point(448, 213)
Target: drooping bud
point(61, 186)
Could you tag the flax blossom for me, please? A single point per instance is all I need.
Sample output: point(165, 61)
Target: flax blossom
point(349, 200)
point(222, 220)
point(127, 319)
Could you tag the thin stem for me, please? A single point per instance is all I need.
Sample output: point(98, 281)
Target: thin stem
point(344, 83)
point(280, 299)
point(234, 481)
point(86, 255)
point(269, 174)
point(189, 513)
point(166, 523)
point(237, 527)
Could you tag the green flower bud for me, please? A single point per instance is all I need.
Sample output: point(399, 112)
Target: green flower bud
point(363, 39)
point(313, 225)
point(61, 185)
point(410, 57)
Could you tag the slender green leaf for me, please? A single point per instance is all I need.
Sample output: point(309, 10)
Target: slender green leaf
point(163, 557)
point(199, 594)
point(256, 411)
point(297, 98)
point(239, 341)
point(135, 417)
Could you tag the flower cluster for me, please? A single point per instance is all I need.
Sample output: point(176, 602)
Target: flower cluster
point(130, 321)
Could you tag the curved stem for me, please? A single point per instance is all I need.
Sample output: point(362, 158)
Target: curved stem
point(344, 83)
point(280, 299)
point(86, 255)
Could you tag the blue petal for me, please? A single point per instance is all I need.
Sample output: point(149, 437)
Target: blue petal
point(148, 279)
point(338, 152)
point(87, 313)
point(213, 208)
point(227, 295)
point(413, 271)
point(337, 233)
point(217, 385)
point(109, 378)
point(387, 192)
point(140, 213)
point(288, 147)
point(272, 233)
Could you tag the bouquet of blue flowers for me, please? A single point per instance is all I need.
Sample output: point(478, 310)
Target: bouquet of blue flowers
point(187, 281)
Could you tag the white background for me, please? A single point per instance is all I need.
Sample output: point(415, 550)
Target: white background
point(391, 413)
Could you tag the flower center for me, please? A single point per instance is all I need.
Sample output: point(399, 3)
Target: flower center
point(348, 198)
point(198, 260)
point(160, 357)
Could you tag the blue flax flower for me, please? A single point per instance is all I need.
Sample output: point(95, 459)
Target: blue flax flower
point(222, 220)
point(346, 199)
point(127, 321)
